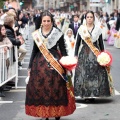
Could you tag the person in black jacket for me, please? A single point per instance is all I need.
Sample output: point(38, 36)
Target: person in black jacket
point(36, 19)
point(9, 22)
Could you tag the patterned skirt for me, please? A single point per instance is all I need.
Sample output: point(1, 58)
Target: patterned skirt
point(46, 93)
point(91, 79)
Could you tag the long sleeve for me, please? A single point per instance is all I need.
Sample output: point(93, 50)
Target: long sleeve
point(12, 38)
point(101, 44)
point(62, 46)
point(33, 54)
point(8, 43)
point(77, 45)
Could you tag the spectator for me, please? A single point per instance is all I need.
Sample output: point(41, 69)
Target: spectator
point(4, 41)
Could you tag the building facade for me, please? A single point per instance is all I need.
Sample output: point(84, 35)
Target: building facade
point(69, 5)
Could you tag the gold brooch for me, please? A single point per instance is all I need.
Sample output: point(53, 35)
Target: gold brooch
point(87, 38)
point(45, 41)
point(84, 31)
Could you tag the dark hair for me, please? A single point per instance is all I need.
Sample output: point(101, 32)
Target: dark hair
point(76, 15)
point(1, 36)
point(47, 13)
point(18, 13)
point(91, 13)
point(12, 9)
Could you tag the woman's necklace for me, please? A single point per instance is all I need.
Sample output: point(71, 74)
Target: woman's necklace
point(45, 33)
point(90, 28)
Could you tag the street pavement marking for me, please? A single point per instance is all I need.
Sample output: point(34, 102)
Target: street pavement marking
point(81, 105)
point(117, 93)
point(27, 58)
point(25, 62)
point(28, 54)
point(22, 68)
point(3, 102)
point(22, 76)
point(18, 90)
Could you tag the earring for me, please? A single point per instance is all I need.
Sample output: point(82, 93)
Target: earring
point(40, 25)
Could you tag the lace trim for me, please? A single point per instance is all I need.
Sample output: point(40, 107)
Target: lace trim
point(52, 38)
point(83, 32)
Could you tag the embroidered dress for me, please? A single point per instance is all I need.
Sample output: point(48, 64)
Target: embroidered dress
point(104, 31)
point(111, 38)
point(69, 42)
point(91, 80)
point(46, 93)
point(117, 39)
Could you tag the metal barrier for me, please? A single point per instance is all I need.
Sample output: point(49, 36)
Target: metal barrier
point(8, 68)
point(8, 73)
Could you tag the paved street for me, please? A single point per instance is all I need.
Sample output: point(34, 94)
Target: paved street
point(12, 107)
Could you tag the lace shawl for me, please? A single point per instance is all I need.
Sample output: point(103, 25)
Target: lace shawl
point(52, 38)
point(83, 32)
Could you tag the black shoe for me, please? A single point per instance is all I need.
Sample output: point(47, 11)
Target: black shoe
point(47, 119)
point(90, 100)
point(6, 89)
point(57, 118)
point(10, 83)
point(9, 87)
point(2, 94)
point(19, 63)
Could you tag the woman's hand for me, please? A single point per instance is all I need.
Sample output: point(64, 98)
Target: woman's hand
point(16, 28)
point(21, 39)
point(19, 22)
point(5, 49)
point(29, 72)
point(76, 57)
point(69, 73)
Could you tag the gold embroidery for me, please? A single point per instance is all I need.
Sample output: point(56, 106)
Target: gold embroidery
point(45, 41)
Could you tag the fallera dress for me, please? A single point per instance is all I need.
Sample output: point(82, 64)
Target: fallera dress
point(46, 91)
point(91, 80)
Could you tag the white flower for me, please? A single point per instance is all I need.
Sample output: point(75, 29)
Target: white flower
point(104, 59)
point(84, 32)
point(68, 60)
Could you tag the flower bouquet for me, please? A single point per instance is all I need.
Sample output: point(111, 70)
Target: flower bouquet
point(72, 44)
point(68, 62)
point(108, 32)
point(104, 59)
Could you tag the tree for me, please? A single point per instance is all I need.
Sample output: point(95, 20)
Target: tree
point(2, 3)
point(34, 2)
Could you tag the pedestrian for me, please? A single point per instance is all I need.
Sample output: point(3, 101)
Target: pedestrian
point(69, 41)
point(75, 25)
point(8, 45)
point(91, 79)
point(46, 93)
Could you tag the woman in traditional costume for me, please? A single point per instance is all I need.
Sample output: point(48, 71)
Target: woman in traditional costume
point(91, 79)
point(47, 93)
point(104, 29)
point(112, 32)
point(69, 41)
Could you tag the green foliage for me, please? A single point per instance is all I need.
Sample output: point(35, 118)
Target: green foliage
point(2, 3)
